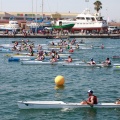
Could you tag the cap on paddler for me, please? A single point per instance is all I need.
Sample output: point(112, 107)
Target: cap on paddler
point(91, 59)
point(90, 91)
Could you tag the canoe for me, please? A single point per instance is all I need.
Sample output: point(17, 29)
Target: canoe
point(60, 104)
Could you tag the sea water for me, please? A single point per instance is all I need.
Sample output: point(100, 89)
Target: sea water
point(36, 82)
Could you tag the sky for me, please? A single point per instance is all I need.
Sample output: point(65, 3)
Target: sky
point(110, 8)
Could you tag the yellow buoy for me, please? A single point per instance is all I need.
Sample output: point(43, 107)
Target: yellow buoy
point(59, 80)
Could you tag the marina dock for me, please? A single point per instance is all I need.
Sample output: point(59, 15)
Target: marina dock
point(49, 36)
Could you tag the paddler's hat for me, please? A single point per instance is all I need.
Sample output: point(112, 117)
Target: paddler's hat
point(91, 59)
point(90, 91)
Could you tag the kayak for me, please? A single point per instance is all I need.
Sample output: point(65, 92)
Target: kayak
point(36, 62)
point(3, 50)
point(116, 67)
point(116, 57)
point(15, 59)
point(88, 65)
point(61, 104)
point(84, 65)
point(23, 56)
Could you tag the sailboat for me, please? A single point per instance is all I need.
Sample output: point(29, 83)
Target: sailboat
point(38, 25)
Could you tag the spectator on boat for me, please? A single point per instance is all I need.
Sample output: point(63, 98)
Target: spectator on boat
point(92, 99)
point(107, 62)
point(69, 59)
point(92, 62)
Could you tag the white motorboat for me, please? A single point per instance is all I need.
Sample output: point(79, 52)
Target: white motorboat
point(12, 26)
point(86, 21)
point(61, 104)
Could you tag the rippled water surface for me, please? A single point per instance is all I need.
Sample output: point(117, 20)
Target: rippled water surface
point(36, 82)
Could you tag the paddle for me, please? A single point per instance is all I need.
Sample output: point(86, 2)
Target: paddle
point(88, 103)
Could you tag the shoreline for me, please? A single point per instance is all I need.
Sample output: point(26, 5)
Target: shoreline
point(49, 36)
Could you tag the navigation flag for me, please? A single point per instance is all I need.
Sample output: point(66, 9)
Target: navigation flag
point(86, 0)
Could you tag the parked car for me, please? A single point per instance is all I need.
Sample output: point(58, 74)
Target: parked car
point(112, 28)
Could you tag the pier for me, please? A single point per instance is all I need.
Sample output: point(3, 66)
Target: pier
point(49, 36)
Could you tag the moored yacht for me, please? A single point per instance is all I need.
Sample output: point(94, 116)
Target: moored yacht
point(11, 26)
point(87, 21)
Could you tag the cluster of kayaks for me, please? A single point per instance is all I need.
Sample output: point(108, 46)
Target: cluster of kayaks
point(25, 59)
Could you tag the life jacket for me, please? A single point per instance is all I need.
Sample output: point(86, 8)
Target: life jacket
point(94, 99)
point(71, 50)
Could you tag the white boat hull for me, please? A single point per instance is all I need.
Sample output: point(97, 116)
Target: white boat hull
point(84, 65)
point(40, 62)
point(60, 104)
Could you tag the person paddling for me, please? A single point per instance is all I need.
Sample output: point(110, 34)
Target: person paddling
point(118, 101)
point(92, 62)
point(69, 59)
point(107, 62)
point(91, 100)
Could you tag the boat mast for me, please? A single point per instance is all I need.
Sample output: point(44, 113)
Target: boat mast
point(42, 8)
point(32, 10)
point(87, 3)
point(36, 18)
point(1, 5)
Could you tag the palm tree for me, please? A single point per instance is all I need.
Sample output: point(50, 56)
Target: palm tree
point(98, 5)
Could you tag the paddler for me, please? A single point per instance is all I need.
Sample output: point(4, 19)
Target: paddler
point(107, 62)
point(54, 59)
point(92, 99)
point(118, 101)
point(71, 50)
point(92, 62)
point(68, 47)
point(31, 50)
point(69, 59)
point(102, 46)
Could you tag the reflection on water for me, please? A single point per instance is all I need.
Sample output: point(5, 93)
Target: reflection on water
point(90, 114)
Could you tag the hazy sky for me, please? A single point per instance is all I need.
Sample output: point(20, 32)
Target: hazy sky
point(110, 8)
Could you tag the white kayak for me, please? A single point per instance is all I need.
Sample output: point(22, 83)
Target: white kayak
point(23, 56)
point(36, 62)
point(84, 65)
point(61, 104)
